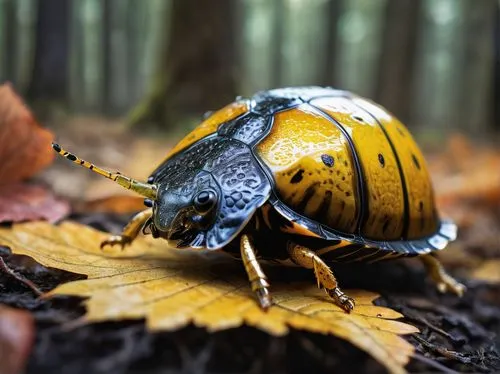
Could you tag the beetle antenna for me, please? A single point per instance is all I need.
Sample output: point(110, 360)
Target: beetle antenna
point(144, 189)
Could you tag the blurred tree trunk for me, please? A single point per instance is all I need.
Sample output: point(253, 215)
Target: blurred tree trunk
point(24, 46)
point(496, 82)
point(438, 72)
point(7, 39)
point(86, 59)
point(477, 66)
point(277, 37)
point(333, 11)
point(48, 80)
point(17, 42)
point(3, 41)
point(396, 62)
point(360, 40)
point(116, 55)
point(259, 44)
point(304, 41)
point(131, 30)
point(197, 72)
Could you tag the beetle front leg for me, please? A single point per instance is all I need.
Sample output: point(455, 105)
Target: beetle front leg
point(304, 257)
point(130, 231)
point(444, 281)
point(256, 276)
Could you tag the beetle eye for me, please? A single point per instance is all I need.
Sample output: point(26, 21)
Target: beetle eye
point(205, 201)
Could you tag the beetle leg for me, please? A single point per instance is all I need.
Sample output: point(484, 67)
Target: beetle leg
point(256, 276)
point(304, 257)
point(438, 274)
point(130, 231)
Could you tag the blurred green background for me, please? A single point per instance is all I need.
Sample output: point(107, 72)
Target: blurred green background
point(162, 63)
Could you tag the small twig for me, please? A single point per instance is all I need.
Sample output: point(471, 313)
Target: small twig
point(6, 269)
point(450, 355)
point(434, 364)
point(74, 324)
point(424, 321)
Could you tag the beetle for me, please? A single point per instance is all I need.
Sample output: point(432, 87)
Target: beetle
point(302, 175)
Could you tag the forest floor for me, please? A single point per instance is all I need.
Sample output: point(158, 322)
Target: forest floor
point(456, 334)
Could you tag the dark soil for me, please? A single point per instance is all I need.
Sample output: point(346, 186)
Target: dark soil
point(461, 335)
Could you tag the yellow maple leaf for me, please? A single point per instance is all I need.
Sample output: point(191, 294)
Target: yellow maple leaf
point(171, 288)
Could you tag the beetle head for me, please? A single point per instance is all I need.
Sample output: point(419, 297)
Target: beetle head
point(205, 201)
point(185, 210)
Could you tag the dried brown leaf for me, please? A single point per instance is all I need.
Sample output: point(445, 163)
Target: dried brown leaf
point(466, 176)
point(17, 333)
point(466, 172)
point(21, 202)
point(172, 288)
point(24, 144)
point(488, 271)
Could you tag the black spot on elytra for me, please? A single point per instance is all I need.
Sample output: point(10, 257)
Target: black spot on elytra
point(297, 177)
point(415, 161)
point(327, 160)
point(71, 157)
point(358, 118)
point(381, 159)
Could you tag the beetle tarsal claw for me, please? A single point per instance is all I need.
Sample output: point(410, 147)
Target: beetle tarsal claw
point(444, 281)
point(345, 302)
point(264, 297)
point(121, 240)
point(324, 275)
point(130, 231)
point(449, 284)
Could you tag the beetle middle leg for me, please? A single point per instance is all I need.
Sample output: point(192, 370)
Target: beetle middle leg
point(256, 276)
point(304, 257)
point(443, 280)
point(130, 231)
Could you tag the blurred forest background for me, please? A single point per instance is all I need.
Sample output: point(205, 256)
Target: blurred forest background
point(434, 63)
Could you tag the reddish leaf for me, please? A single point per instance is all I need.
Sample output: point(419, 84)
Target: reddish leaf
point(24, 144)
point(17, 332)
point(20, 202)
